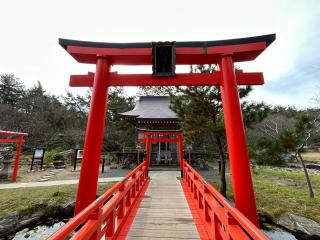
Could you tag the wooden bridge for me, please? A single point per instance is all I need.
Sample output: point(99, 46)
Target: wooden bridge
point(163, 211)
point(161, 206)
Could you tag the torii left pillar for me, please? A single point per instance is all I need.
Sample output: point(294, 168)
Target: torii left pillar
point(89, 174)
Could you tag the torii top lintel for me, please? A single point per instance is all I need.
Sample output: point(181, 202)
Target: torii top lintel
point(200, 52)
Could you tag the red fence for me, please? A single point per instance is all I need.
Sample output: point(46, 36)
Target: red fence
point(106, 215)
point(221, 220)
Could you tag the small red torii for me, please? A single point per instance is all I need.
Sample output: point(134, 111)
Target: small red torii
point(223, 53)
point(14, 137)
point(148, 139)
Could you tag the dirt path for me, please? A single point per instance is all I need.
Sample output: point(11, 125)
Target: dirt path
point(53, 183)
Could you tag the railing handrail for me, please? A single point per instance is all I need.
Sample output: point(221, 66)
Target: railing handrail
point(106, 207)
point(230, 213)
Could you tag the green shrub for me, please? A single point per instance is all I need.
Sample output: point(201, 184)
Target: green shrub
point(267, 152)
point(58, 194)
point(51, 156)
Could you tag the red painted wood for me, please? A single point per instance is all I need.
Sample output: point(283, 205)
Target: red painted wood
point(237, 145)
point(127, 225)
point(90, 220)
point(148, 152)
point(181, 79)
point(159, 140)
point(180, 142)
point(187, 55)
point(213, 214)
point(8, 140)
point(13, 133)
point(16, 161)
point(203, 234)
point(227, 79)
point(214, 217)
point(88, 179)
point(152, 132)
point(14, 137)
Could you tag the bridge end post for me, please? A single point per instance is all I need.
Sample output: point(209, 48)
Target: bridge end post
point(180, 141)
point(148, 153)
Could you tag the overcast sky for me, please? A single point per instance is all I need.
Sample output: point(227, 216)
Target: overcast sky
point(291, 65)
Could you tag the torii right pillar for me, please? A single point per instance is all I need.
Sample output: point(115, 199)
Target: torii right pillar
point(237, 144)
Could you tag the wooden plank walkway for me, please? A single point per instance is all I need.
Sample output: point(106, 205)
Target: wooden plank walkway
point(164, 212)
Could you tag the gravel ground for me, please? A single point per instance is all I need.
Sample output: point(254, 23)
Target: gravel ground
point(25, 175)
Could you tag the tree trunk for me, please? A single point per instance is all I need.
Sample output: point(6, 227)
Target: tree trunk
point(223, 184)
point(311, 193)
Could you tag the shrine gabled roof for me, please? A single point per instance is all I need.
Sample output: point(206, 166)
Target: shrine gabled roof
point(151, 108)
point(189, 52)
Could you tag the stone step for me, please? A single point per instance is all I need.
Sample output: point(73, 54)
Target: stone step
point(44, 180)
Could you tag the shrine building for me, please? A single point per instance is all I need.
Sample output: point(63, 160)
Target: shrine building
point(153, 117)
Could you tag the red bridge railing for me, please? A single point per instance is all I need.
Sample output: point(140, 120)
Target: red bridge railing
point(220, 219)
point(106, 215)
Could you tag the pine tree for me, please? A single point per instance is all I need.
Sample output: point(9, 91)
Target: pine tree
point(11, 89)
point(201, 114)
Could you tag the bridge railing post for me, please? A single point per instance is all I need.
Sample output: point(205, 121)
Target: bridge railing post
point(180, 141)
point(148, 154)
point(121, 207)
point(128, 199)
point(110, 224)
point(205, 204)
point(196, 194)
point(133, 191)
point(96, 215)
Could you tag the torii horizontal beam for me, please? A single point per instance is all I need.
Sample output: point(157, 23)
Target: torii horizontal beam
point(151, 132)
point(8, 140)
point(195, 52)
point(182, 79)
point(155, 140)
point(164, 138)
point(12, 133)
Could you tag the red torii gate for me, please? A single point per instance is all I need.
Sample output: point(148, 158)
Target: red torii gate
point(150, 139)
point(14, 137)
point(224, 53)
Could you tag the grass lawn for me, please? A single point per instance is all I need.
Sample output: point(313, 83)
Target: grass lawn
point(22, 199)
point(283, 191)
point(278, 191)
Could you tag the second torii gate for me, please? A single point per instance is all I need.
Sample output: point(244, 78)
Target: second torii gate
point(163, 57)
point(149, 138)
point(18, 138)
